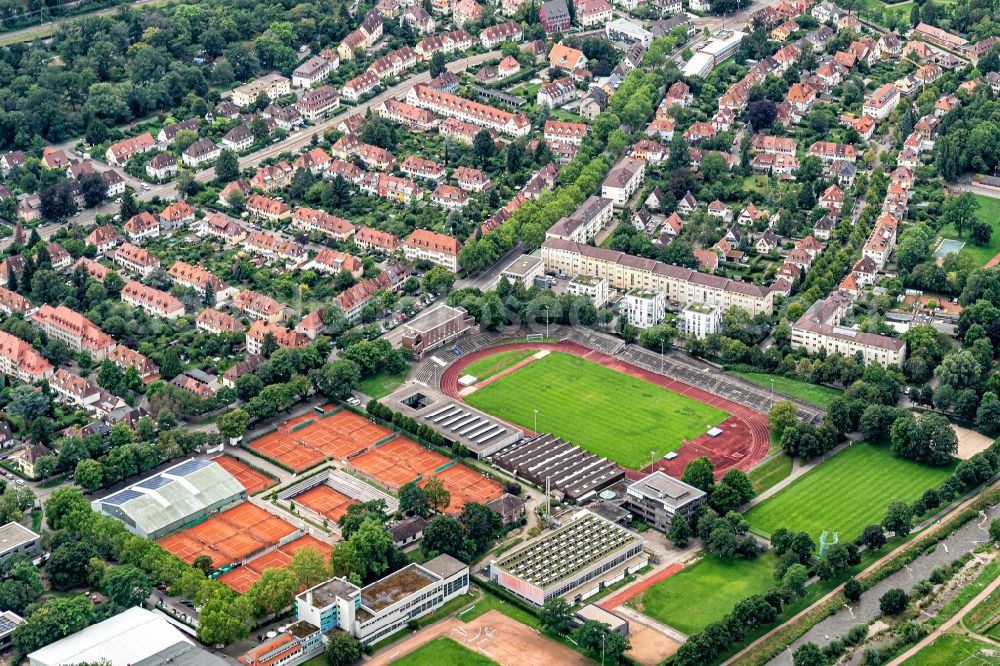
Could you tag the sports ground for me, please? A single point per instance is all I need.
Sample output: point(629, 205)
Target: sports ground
point(705, 591)
point(609, 413)
point(325, 501)
point(248, 477)
point(229, 537)
point(443, 651)
point(953, 649)
point(243, 577)
point(845, 493)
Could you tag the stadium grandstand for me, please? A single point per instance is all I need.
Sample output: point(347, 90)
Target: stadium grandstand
point(571, 471)
point(177, 496)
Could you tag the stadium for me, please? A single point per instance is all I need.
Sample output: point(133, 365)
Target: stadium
point(180, 495)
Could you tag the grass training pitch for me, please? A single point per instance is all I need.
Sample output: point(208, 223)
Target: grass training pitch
point(605, 412)
point(814, 394)
point(953, 649)
point(485, 368)
point(443, 652)
point(989, 212)
point(706, 591)
point(846, 492)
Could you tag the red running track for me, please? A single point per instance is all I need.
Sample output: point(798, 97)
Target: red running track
point(743, 443)
point(619, 598)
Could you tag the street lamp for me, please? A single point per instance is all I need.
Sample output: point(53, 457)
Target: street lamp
point(546, 321)
point(536, 420)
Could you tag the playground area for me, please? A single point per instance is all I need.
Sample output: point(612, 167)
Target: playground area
point(309, 439)
point(325, 501)
point(242, 578)
point(493, 635)
point(248, 477)
point(229, 537)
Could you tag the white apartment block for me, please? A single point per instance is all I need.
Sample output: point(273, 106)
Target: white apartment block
point(819, 329)
point(644, 307)
point(624, 179)
point(699, 320)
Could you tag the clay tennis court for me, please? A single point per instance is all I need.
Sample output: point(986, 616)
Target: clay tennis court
point(325, 501)
point(242, 578)
point(279, 446)
point(248, 477)
point(466, 485)
point(306, 440)
point(188, 549)
point(398, 462)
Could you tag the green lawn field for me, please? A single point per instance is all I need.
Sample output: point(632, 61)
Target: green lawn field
point(955, 650)
point(989, 212)
point(381, 384)
point(443, 652)
point(846, 492)
point(488, 366)
point(814, 394)
point(706, 591)
point(605, 412)
point(771, 472)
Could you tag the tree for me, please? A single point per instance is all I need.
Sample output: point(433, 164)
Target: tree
point(960, 211)
point(369, 553)
point(795, 578)
point(873, 537)
point(738, 480)
point(700, 473)
point(413, 500)
point(89, 474)
point(927, 438)
point(203, 563)
point(437, 495)
point(680, 531)
point(233, 424)
point(597, 639)
point(439, 280)
point(337, 379)
point(898, 518)
point(480, 523)
point(893, 602)
point(170, 363)
point(221, 622)
point(444, 535)
point(995, 529)
point(127, 585)
point(55, 619)
point(309, 567)
point(781, 416)
point(852, 590)
point(809, 654)
point(556, 615)
point(483, 147)
point(343, 649)
point(273, 592)
point(27, 402)
point(63, 503)
point(66, 568)
point(437, 64)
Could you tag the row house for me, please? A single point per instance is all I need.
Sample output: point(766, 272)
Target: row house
point(449, 197)
point(266, 208)
point(285, 117)
point(819, 329)
point(19, 359)
point(434, 247)
point(882, 102)
point(11, 302)
point(74, 390)
point(136, 259)
point(311, 72)
point(374, 240)
point(446, 81)
point(783, 166)
point(254, 305)
point(405, 114)
point(471, 179)
point(882, 241)
point(177, 214)
point(418, 167)
point(589, 219)
point(349, 172)
point(120, 153)
point(200, 152)
point(215, 322)
point(105, 238)
point(318, 102)
point(446, 43)
point(315, 160)
point(273, 246)
point(79, 333)
point(649, 150)
point(495, 35)
point(375, 157)
point(126, 358)
point(459, 131)
point(395, 63)
point(333, 262)
point(624, 179)
point(369, 32)
point(393, 188)
point(935, 35)
point(153, 301)
point(311, 220)
point(773, 145)
point(142, 226)
point(273, 85)
point(556, 93)
point(222, 227)
point(829, 151)
point(170, 132)
point(418, 18)
point(446, 104)
point(93, 269)
point(723, 120)
point(200, 279)
point(272, 177)
point(238, 139)
point(58, 256)
point(162, 167)
point(283, 337)
point(565, 132)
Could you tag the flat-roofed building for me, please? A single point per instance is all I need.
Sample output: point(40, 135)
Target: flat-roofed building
point(657, 498)
point(700, 319)
point(436, 327)
point(644, 307)
point(571, 471)
point(524, 269)
point(623, 180)
point(585, 222)
point(16, 539)
point(560, 563)
point(594, 288)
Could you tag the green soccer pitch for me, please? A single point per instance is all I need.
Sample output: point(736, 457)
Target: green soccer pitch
point(608, 413)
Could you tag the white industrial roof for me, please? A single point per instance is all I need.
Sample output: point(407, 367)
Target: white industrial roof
point(126, 638)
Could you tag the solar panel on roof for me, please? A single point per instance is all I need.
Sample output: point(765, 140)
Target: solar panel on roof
point(6, 625)
point(120, 498)
point(189, 467)
point(153, 482)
